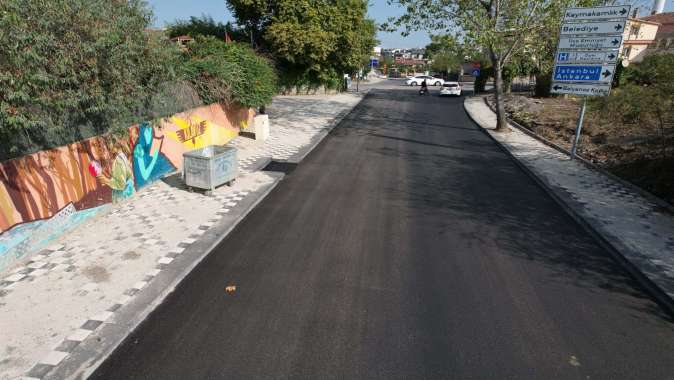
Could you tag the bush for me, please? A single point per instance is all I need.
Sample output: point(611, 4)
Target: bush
point(229, 73)
point(71, 69)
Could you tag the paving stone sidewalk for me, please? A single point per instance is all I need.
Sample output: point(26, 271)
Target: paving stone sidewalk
point(57, 301)
point(640, 229)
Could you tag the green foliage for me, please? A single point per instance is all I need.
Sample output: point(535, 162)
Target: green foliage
point(646, 97)
point(486, 73)
point(447, 53)
point(313, 42)
point(229, 73)
point(71, 69)
point(206, 26)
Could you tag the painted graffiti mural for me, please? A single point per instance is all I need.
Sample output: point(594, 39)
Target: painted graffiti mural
point(149, 163)
point(101, 170)
point(120, 179)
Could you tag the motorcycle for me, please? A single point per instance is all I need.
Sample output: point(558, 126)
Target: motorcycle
point(423, 91)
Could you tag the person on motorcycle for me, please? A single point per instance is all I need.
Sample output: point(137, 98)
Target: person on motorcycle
point(424, 88)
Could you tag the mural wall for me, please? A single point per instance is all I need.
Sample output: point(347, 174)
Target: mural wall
point(93, 172)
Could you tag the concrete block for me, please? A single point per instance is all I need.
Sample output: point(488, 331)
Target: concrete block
point(261, 127)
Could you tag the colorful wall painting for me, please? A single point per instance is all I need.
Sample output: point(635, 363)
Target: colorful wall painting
point(120, 179)
point(149, 163)
point(100, 170)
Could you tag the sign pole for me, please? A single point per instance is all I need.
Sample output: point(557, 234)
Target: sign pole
point(579, 128)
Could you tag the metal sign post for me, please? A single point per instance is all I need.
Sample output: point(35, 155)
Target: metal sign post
point(579, 128)
point(587, 53)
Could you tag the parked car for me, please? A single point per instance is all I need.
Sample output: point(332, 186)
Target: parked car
point(430, 81)
point(450, 88)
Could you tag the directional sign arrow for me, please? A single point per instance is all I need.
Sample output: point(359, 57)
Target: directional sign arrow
point(618, 27)
point(581, 89)
point(587, 73)
point(611, 56)
point(615, 41)
point(611, 12)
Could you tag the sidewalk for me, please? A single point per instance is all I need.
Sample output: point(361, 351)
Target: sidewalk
point(64, 309)
point(639, 230)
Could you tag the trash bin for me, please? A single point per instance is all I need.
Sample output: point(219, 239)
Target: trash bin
point(210, 167)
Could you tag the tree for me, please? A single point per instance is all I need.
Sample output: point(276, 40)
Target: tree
point(71, 69)
point(313, 42)
point(447, 53)
point(501, 27)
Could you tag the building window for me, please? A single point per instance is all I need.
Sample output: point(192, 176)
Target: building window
point(634, 32)
point(626, 52)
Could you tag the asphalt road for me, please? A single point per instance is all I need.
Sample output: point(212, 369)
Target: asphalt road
point(406, 246)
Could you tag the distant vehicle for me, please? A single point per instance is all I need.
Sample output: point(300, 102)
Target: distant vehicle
point(450, 88)
point(431, 81)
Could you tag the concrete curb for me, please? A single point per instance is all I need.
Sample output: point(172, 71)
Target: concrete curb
point(616, 249)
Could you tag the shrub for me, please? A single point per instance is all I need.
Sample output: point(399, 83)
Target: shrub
point(229, 73)
point(71, 69)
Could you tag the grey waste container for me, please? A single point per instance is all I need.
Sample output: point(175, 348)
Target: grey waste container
point(210, 167)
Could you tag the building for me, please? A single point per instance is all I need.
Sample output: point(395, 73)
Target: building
point(664, 38)
point(182, 41)
point(639, 35)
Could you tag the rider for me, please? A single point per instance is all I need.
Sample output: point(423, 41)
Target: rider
point(424, 86)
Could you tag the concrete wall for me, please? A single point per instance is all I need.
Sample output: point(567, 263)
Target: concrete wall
point(44, 193)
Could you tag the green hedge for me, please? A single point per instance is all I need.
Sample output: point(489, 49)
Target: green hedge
point(229, 72)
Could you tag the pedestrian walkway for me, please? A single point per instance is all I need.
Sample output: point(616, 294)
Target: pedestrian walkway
point(93, 276)
point(639, 228)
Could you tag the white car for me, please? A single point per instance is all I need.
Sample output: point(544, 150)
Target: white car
point(450, 88)
point(430, 81)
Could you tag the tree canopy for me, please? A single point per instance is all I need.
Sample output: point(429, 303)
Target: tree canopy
point(312, 41)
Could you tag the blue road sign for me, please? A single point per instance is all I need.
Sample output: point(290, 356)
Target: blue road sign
point(583, 73)
point(374, 62)
point(475, 72)
point(561, 57)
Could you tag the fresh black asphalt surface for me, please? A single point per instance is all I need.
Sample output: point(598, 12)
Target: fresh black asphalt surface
point(406, 246)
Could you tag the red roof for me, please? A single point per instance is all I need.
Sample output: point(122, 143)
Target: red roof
point(666, 21)
point(662, 18)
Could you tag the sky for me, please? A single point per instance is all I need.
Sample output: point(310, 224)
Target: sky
point(166, 11)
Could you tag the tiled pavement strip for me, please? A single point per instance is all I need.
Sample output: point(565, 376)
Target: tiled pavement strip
point(58, 300)
point(636, 227)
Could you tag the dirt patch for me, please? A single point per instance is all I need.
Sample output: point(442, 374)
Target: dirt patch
point(131, 255)
point(633, 152)
point(96, 273)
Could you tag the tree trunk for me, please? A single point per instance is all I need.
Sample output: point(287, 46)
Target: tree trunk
point(501, 123)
